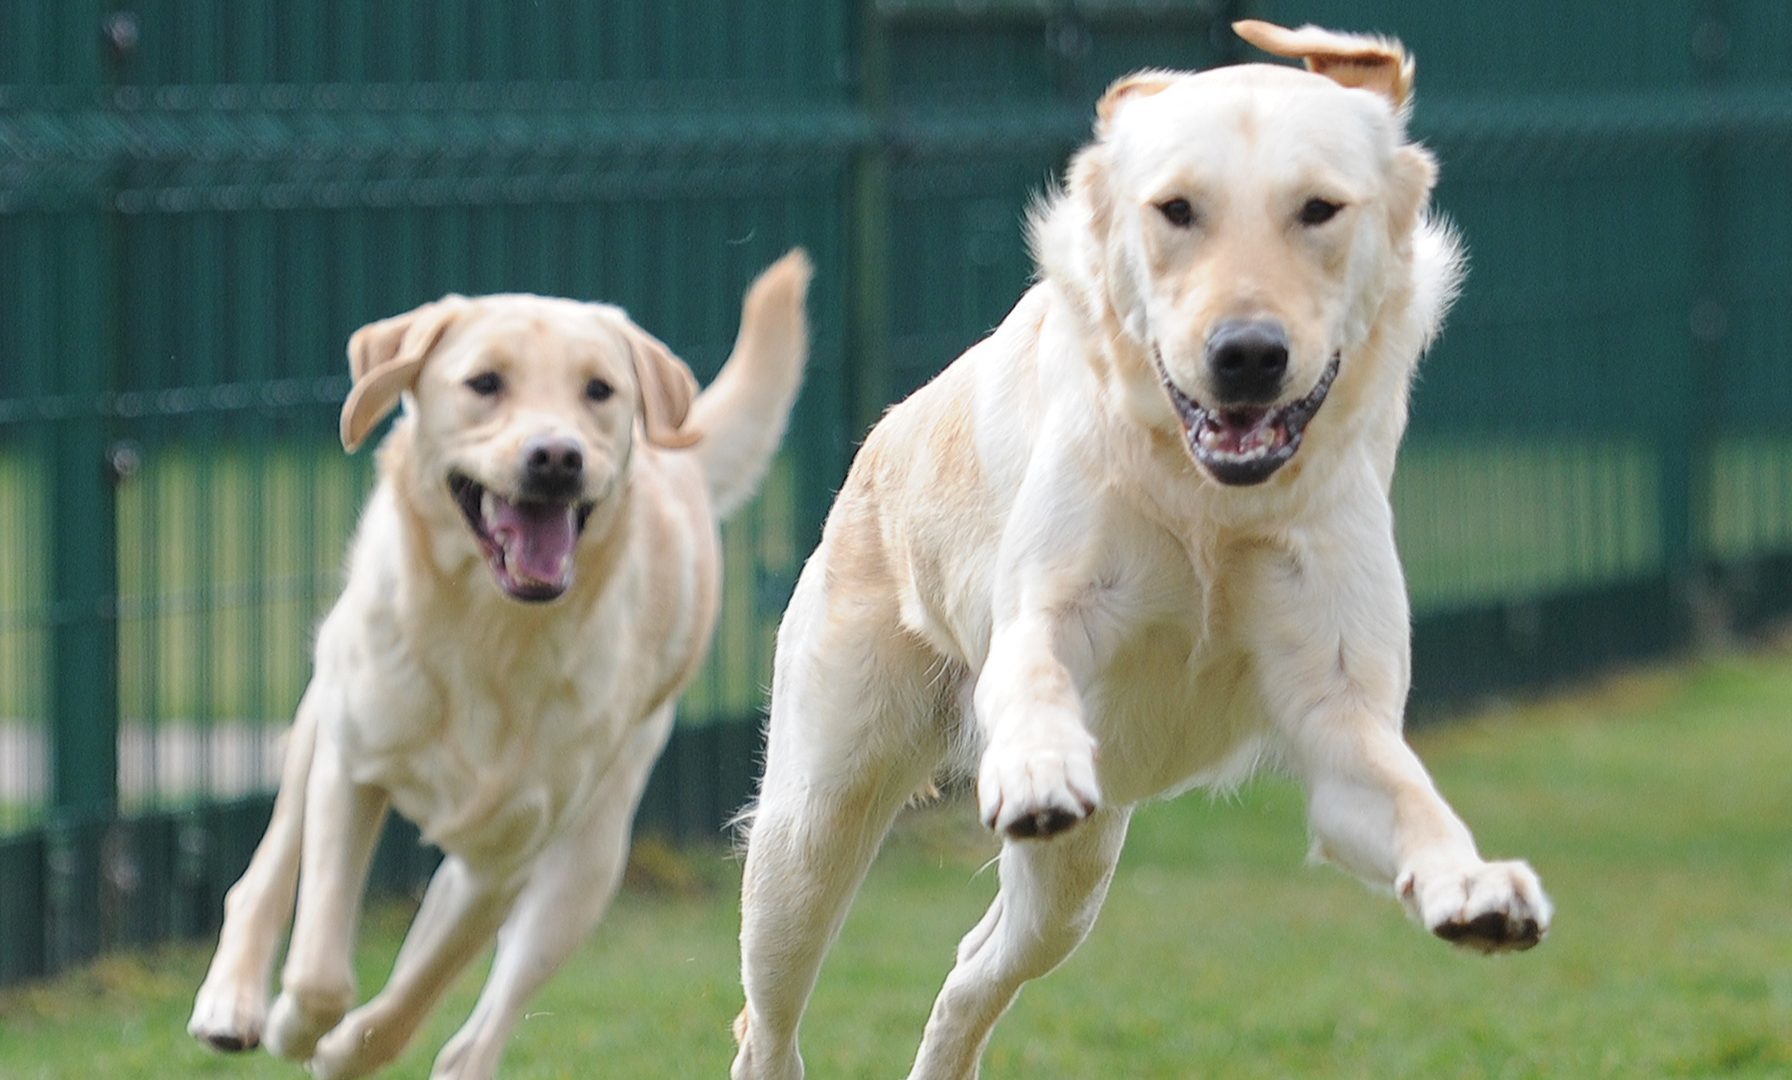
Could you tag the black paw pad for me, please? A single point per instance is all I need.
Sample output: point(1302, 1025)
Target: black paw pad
point(230, 1044)
point(1491, 932)
point(1042, 824)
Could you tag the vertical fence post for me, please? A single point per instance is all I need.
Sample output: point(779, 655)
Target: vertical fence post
point(83, 572)
point(868, 359)
point(1687, 548)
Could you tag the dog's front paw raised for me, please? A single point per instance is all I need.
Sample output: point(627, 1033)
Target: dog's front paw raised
point(1488, 907)
point(1038, 789)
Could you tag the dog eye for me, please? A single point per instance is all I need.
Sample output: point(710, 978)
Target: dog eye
point(1319, 211)
point(1177, 212)
point(485, 384)
point(599, 390)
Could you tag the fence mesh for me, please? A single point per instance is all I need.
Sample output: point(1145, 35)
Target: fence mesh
point(199, 201)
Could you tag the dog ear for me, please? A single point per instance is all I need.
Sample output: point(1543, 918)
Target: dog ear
point(1355, 60)
point(1086, 180)
point(667, 389)
point(1077, 242)
point(1129, 87)
point(1412, 175)
point(384, 359)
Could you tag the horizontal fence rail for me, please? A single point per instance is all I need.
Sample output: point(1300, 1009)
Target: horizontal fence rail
point(200, 201)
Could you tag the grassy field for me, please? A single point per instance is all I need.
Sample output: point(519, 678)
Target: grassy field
point(1657, 807)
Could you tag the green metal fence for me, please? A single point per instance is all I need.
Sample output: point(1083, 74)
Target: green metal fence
point(201, 199)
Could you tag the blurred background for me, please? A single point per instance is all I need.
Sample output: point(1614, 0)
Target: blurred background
point(201, 199)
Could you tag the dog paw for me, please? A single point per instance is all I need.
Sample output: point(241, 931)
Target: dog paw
point(1488, 907)
point(749, 1064)
point(296, 1023)
point(228, 1018)
point(1036, 790)
point(356, 1046)
point(472, 1054)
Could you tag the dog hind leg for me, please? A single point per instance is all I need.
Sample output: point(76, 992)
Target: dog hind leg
point(850, 743)
point(1050, 895)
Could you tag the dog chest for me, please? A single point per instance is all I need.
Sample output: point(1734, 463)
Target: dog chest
point(1171, 711)
point(486, 771)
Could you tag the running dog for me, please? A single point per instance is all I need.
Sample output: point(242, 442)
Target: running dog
point(1136, 541)
point(534, 580)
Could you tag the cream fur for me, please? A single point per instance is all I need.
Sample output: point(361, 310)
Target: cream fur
point(1027, 566)
point(517, 736)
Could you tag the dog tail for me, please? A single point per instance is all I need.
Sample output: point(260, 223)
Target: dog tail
point(743, 413)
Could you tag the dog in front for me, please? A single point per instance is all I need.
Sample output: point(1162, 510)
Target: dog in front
point(534, 580)
point(1136, 541)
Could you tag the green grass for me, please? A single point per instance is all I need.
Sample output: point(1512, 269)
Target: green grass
point(1656, 807)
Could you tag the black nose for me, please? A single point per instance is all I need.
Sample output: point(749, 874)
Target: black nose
point(552, 466)
point(1247, 360)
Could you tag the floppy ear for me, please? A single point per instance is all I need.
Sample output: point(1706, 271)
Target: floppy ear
point(1355, 60)
point(1112, 276)
point(667, 389)
point(1137, 85)
point(1412, 175)
point(384, 359)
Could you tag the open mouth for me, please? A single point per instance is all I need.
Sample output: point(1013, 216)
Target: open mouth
point(1242, 445)
point(528, 542)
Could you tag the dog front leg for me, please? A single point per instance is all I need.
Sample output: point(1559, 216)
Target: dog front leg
point(342, 825)
point(1375, 812)
point(460, 913)
point(568, 888)
point(1037, 777)
point(1331, 633)
point(231, 1005)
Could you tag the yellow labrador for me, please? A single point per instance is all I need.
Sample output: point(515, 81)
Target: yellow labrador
point(1136, 541)
point(534, 580)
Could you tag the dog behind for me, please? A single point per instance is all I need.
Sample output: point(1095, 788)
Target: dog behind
point(534, 580)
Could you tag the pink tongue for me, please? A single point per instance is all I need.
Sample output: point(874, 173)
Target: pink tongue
point(1237, 429)
point(537, 539)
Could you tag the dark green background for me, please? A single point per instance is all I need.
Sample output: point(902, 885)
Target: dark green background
point(200, 200)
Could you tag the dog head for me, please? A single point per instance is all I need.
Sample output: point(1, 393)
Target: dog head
point(523, 415)
point(1237, 230)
